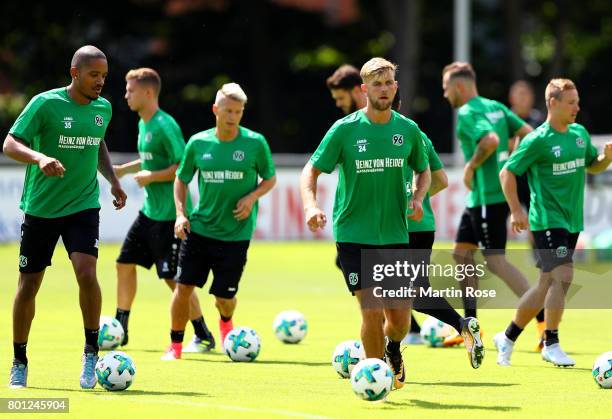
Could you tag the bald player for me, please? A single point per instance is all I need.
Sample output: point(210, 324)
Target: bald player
point(60, 136)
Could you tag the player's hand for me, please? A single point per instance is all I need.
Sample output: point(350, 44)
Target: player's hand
point(143, 178)
point(315, 218)
point(118, 169)
point(519, 221)
point(182, 227)
point(51, 167)
point(244, 207)
point(120, 196)
point(608, 151)
point(468, 176)
point(417, 210)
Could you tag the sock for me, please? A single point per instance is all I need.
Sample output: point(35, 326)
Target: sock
point(123, 316)
point(551, 337)
point(393, 346)
point(177, 336)
point(540, 316)
point(513, 332)
point(199, 327)
point(19, 351)
point(414, 325)
point(91, 341)
point(225, 319)
point(469, 306)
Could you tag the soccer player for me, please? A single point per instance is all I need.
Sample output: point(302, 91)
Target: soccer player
point(229, 159)
point(151, 238)
point(554, 157)
point(522, 98)
point(60, 136)
point(371, 205)
point(484, 127)
point(345, 88)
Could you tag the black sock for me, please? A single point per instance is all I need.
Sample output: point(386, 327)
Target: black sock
point(123, 316)
point(447, 315)
point(414, 325)
point(393, 346)
point(91, 341)
point(469, 306)
point(19, 351)
point(551, 337)
point(540, 316)
point(225, 319)
point(177, 336)
point(199, 327)
point(513, 332)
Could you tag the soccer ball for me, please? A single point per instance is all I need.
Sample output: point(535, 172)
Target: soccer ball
point(372, 379)
point(434, 331)
point(346, 355)
point(602, 370)
point(115, 371)
point(242, 344)
point(290, 326)
point(111, 333)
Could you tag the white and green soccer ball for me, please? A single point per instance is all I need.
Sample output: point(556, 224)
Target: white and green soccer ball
point(434, 331)
point(602, 370)
point(372, 379)
point(346, 355)
point(111, 332)
point(290, 326)
point(242, 344)
point(115, 371)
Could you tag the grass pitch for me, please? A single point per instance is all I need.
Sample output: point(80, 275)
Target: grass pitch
point(289, 380)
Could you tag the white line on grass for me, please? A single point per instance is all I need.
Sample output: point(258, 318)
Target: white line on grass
point(223, 407)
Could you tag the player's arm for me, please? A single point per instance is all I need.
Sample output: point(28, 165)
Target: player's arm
point(245, 205)
point(181, 225)
point(106, 168)
point(486, 146)
point(602, 161)
point(144, 177)
point(439, 181)
point(422, 183)
point(17, 150)
point(518, 219)
point(315, 218)
point(125, 168)
point(523, 130)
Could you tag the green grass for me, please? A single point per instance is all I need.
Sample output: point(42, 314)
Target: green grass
point(289, 380)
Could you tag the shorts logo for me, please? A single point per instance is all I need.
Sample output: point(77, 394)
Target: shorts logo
point(353, 278)
point(165, 267)
point(556, 150)
point(398, 139)
point(238, 155)
point(231, 289)
point(561, 251)
point(96, 243)
point(99, 120)
point(580, 142)
point(23, 261)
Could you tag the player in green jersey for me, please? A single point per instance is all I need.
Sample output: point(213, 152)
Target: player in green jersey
point(229, 160)
point(484, 127)
point(555, 157)
point(60, 136)
point(375, 149)
point(345, 88)
point(151, 238)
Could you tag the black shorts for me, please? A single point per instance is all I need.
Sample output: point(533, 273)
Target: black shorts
point(349, 255)
point(485, 227)
point(148, 242)
point(554, 247)
point(79, 232)
point(421, 239)
point(199, 255)
point(522, 189)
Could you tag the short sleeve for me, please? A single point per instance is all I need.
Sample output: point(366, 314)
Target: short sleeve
point(434, 160)
point(175, 143)
point(526, 154)
point(264, 164)
point(187, 167)
point(29, 123)
point(418, 160)
point(591, 151)
point(515, 122)
point(327, 155)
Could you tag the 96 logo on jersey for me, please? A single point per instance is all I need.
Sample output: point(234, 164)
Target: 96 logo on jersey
point(398, 139)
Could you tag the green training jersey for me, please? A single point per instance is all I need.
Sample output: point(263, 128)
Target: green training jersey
point(476, 118)
point(555, 164)
point(375, 163)
point(160, 145)
point(428, 222)
point(228, 171)
point(57, 126)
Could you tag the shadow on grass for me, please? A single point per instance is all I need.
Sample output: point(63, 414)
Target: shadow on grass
point(464, 384)
point(129, 392)
point(441, 406)
point(265, 362)
point(161, 352)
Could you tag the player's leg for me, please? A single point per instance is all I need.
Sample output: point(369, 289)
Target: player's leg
point(228, 262)
point(371, 332)
point(466, 245)
point(38, 239)
point(80, 233)
point(397, 324)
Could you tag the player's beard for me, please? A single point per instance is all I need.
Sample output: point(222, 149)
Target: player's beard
point(352, 107)
point(380, 106)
